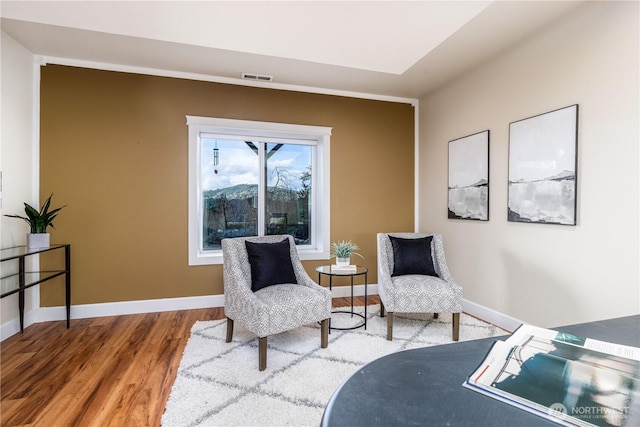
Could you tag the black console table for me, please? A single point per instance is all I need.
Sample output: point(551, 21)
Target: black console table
point(22, 280)
point(423, 387)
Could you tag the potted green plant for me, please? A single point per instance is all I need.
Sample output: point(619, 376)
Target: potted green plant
point(39, 221)
point(343, 250)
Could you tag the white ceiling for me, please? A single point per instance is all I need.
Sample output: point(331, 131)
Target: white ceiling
point(386, 48)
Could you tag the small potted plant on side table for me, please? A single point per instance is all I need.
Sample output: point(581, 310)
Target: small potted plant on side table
point(38, 222)
point(342, 251)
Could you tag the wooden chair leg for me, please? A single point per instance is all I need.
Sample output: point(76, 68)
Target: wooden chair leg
point(229, 329)
point(381, 309)
point(389, 326)
point(456, 326)
point(262, 353)
point(324, 333)
point(435, 315)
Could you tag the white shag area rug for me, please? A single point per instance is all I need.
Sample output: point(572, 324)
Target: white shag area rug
point(218, 383)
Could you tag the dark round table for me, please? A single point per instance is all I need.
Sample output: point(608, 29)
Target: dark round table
point(423, 387)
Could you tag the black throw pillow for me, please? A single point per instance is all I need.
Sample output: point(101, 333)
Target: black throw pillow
point(412, 256)
point(270, 264)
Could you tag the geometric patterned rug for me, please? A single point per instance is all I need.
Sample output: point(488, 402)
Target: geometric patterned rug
point(218, 383)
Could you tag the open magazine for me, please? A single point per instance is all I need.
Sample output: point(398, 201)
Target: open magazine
point(568, 379)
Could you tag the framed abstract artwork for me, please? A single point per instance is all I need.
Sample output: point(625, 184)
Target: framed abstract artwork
point(543, 152)
point(469, 177)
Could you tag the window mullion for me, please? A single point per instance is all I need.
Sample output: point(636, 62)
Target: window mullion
point(262, 189)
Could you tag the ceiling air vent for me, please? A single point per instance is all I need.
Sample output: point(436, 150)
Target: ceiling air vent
point(257, 77)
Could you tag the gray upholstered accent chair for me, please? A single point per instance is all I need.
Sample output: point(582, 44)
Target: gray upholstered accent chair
point(275, 308)
point(407, 292)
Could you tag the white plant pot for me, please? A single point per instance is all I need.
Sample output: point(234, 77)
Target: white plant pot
point(343, 262)
point(38, 240)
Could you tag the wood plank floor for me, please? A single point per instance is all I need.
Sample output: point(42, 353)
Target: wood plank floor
point(106, 371)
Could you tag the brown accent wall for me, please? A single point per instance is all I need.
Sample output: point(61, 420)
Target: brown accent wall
point(114, 148)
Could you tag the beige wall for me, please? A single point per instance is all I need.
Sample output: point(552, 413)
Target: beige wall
point(114, 149)
point(548, 274)
point(17, 160)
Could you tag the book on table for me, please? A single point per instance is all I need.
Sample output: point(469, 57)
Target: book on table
point(568, 379)
point(344, 268)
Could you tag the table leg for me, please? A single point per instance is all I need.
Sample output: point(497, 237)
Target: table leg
point(21, 282)
point(67, 284)
point(366, 282)
point(21, 308)
point(351, 296)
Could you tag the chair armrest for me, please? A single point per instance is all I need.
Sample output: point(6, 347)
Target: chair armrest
point(385, 282)
point(305, 280)
point(441, 261)
point(237, 278)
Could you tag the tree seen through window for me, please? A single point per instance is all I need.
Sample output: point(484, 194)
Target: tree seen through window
point(236, 204)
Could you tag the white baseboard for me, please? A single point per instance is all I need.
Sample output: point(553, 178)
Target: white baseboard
point(12, 326)
point(358, 290)
point(83, 311)
point(489, 315)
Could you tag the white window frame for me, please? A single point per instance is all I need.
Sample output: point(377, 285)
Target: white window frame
point(320, 136)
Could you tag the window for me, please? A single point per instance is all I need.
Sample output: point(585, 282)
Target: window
point(251, 178)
